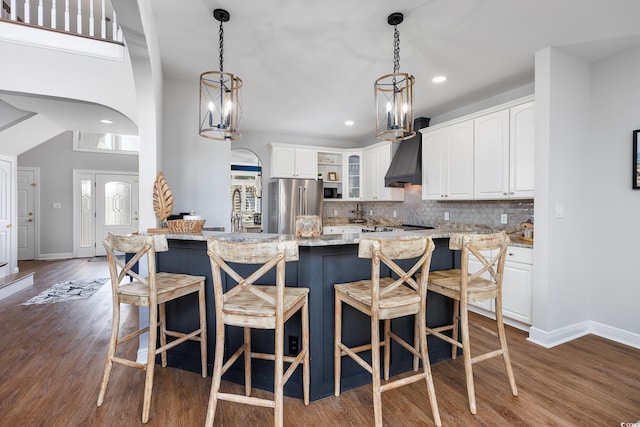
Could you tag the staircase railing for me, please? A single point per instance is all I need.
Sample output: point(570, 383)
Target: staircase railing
point(60, 16)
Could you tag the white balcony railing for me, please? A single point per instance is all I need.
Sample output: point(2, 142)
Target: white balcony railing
point(72, 16)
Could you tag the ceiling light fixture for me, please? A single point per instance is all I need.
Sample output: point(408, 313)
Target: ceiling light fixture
point(439, 79)
point(106, 121)
point(220, 108)
point(394, 95)
point(349, 123)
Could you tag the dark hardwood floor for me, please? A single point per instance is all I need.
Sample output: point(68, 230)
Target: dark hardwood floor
point(52, 356)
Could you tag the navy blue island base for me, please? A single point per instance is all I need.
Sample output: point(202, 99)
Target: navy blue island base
point(319, 268)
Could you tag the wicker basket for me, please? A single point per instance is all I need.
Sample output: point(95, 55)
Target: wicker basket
point(191, 226)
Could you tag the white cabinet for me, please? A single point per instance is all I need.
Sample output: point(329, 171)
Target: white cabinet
point(504, 146)
point(491, 158)
point(522, 151)
point(336, 229)
point(376, 162)
point(517, 285)
point(447, 162)
point(293, 162)
point(352, 172)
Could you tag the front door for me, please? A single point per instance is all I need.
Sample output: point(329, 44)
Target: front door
point(103, 203)
point(116, 206)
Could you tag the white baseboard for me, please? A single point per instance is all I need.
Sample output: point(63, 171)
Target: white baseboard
point(615, 334)
point(565, 334)
point(62, 255)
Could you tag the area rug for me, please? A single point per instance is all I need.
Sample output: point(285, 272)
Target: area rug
point(67, 291)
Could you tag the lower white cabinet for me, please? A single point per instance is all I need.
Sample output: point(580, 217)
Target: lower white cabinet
point(332, 229)
point(517, 284)
point(516, 287)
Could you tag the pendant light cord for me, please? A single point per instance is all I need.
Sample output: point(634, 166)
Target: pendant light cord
point(221, 48)
point(396, 50)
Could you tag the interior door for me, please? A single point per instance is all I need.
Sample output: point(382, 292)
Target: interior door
point(5, 218)
point(26, 214)
point(116, 202)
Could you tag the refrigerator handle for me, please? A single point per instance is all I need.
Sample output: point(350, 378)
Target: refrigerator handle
point(304, 200)
point(300, 201)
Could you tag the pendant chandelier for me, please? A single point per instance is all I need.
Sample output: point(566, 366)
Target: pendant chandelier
point(220, 108)
point(394, 95)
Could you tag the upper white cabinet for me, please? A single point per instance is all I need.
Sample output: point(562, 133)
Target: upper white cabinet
point(293, 162)
point(491, 158)
point(500, 145)
point(504, 153)
point(352, 172)
point(522, 151)
point(376, 161)
point(447, 162)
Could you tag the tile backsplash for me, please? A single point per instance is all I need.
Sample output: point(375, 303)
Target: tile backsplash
point(414, 210)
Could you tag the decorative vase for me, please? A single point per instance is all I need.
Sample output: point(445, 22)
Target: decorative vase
point(308, 226)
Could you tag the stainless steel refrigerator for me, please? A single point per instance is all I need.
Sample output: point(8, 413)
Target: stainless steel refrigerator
point(288, 198)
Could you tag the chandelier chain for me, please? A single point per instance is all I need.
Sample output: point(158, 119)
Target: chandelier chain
point(221, 48)
point(396, 50)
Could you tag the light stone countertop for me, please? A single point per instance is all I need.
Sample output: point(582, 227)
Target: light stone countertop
point(333, 239)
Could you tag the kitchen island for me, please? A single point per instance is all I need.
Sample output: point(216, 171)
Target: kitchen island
point(322, 262)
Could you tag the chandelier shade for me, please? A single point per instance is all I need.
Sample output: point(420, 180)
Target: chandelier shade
point(394, 107)
point(220, 96)
point(220, 105)
point(394, 96)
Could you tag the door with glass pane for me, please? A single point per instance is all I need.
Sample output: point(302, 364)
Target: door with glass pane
point(105, 203)
point(116, 206)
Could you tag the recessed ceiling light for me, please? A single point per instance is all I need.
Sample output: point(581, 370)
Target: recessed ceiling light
point(439, 79)
point(105, 121)
point(349, 123)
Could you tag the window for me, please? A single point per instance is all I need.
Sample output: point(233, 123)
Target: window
point(105, 142)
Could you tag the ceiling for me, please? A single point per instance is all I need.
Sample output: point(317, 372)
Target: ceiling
point(307, 67)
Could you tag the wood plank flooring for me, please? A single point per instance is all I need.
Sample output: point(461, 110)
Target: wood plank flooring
point(52, 356)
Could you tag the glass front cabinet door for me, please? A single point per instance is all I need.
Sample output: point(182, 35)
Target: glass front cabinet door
point(353, 172)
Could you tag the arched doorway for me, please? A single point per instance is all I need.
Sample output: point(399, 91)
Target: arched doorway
point(246, 191)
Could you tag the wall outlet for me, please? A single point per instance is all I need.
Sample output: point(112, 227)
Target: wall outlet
point(335, 212)
point(446, 216)
point(56, 206)
point(371, 212)
point(293, 345)
point(503, 218)
point(395, 214)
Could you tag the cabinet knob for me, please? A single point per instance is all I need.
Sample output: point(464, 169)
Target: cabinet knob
point(510, 254)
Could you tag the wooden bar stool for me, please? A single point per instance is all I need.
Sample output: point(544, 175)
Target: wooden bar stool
point(152, 291)
point(464, 286)
point(261, 307)
point(385, 298)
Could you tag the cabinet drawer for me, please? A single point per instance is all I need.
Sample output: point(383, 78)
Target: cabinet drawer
point(332, 230)
point(518, 254)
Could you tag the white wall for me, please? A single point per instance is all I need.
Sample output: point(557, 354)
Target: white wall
point(613, 206)
point(197, 169)
point(42, 71)
point(138, 27)
point(584, 276)
point(56, 160)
